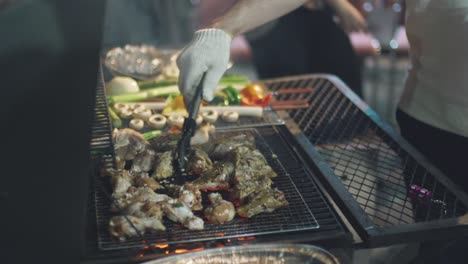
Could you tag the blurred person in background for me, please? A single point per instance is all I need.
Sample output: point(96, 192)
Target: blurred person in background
point(433, 110)
point(161, 23)
point(308, 40)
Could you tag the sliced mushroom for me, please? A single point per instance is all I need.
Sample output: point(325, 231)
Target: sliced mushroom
point(199, 120)
point(157, 121)
point(210, 116)
point(137, 124)
point(119, 107)
point(175, 120)
point(142, 113)
point(126, 114)
point(230, 116)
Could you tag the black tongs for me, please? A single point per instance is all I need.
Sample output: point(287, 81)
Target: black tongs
point(183, 151)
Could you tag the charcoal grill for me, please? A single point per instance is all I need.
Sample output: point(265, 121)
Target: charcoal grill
point(347, 166)
point(308, 218)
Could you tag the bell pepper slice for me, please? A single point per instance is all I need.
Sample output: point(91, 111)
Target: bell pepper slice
point(233, 95)
point(254, 90)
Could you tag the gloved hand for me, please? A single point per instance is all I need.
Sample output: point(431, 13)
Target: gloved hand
point(207, 52)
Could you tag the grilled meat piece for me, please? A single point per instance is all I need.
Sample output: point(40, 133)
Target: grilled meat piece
point(220, 211)
point(142, 194)
point(128, 143)
point(219, 148)
point(198, 162)
point(251, 165)
point(119, 163)
point(144, 209)
point(164, 167)
point(216, 178)
point(179, 212)
point(121, 180)
point(165, 142)
point(202, 134)
point(168, 142)
point(142, 180)
point(120, 228)
point(144, 161)
point(243, 189)
point(266, 200)
point(191, 196)
point(252, 173)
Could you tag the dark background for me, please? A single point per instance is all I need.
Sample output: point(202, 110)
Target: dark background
point(48, 67)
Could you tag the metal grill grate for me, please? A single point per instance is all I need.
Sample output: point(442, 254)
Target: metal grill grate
point(373, 167)
point(297, 216)
point(277, 138)
point(269, 118)
point(101, 133)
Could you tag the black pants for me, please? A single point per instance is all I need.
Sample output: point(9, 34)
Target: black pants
point(306, 41)
point(447, 151)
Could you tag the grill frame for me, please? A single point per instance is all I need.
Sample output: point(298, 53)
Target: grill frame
point(372, 233)
point(332, 232)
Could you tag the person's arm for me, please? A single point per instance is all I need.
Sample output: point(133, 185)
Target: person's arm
point(209, 49)
point(350, 18)
point(246, 15)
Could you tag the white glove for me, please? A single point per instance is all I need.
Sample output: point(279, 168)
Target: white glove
point(207, 52)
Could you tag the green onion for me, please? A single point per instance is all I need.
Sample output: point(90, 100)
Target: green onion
point(156, 84)
point(234, 79)
point(116, 122)
point(229, 79)
point(152, 134)
point(142, 95)
point(178, 205)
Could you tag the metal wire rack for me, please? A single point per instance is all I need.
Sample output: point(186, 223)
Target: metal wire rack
point(297, 216)
point(269, 118)
point(374, 167)
point(309, 212)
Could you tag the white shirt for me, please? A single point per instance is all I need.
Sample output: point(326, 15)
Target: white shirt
point(436, 90)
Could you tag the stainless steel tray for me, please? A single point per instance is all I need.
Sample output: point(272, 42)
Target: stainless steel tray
point(255, 254)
